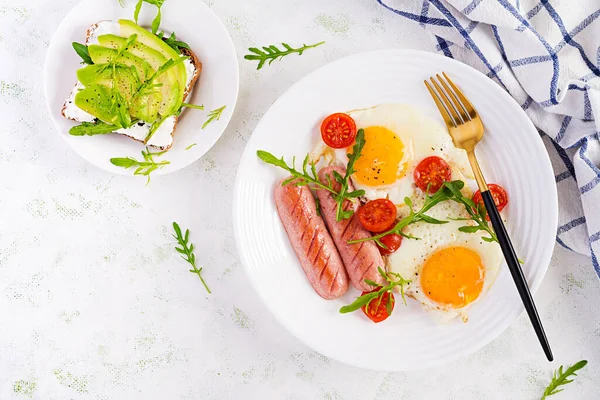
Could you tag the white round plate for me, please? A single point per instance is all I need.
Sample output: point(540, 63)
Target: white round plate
point(195, 24)
point(409, 339)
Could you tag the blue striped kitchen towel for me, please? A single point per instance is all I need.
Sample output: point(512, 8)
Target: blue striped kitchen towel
point(547, 56)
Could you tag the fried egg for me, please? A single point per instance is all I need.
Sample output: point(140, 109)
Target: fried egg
point(449, 270)
point(397, 138)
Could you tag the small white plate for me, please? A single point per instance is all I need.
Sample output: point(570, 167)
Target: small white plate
point(410, 339)
point(195, 24)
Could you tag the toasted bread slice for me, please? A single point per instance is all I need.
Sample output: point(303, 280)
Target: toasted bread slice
point(138, 132)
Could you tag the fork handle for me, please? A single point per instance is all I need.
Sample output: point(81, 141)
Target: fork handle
point(515, 270)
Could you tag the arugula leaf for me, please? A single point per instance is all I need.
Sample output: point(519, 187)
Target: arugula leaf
point(300, 176)
point(365, 299)
point(122, 110)
point(197, 107)
point(172, 41)
point(92, 128)
point(164, 68)
point(124, 162)
point(443, 194)
point(157, 19)
point(304, 178)
point(83, 52)
point(560, 378)
point(187, 251)
point(431, 220)
point(144, 168)
point(214, 115)
point(344, 181)
point(136, 12)
point(477, 214)
point(469, 229)
point(272, 53)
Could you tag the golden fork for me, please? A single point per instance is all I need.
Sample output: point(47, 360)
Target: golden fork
point(466, 129)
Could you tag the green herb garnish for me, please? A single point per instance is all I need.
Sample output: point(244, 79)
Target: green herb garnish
point(299, 178)
point(560, 378)
point(272, 53)
point(213, 115)
point(156, 22)
point(187, 251)
point(190, 146)
point(366, 299)
point(477, 214)
point(310, 177)
point(122, 109)
point(187, 105)
point(172, 41)
point(83, 52)
point(197, 107)
point(148, 87)
point(443, 194)
point(144, 168)
point(92, 128)
point(344, 180)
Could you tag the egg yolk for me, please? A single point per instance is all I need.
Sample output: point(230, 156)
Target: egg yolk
point(453, 276)
point(380, 160)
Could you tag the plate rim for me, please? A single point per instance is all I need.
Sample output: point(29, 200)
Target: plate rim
point(546, 255)
point(122, 171)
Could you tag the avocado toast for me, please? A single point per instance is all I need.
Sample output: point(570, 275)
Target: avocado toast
point(135, 83)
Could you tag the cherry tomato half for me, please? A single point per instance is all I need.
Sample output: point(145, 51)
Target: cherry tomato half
point(498, 194)
point(378, 215)
point(392, 242)
point(377, 309)
point(432, 172)
point(338, 130)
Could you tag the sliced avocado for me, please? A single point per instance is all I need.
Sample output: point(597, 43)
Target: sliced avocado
point(176, 76)
point(170, 86)
point(96, 73)
point(102, 55)
point(95, 100)
point(147, 38)
point(146, 107)
point(111, 41)
point(125, 78)
point(127, 81)
point(151, 56)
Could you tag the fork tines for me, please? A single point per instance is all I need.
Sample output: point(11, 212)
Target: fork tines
point(452, 103)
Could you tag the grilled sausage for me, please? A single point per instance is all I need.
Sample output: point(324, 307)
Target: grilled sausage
point(311, 240)
point(361, 259)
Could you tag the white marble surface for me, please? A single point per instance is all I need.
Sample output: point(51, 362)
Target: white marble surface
point(95, 304)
